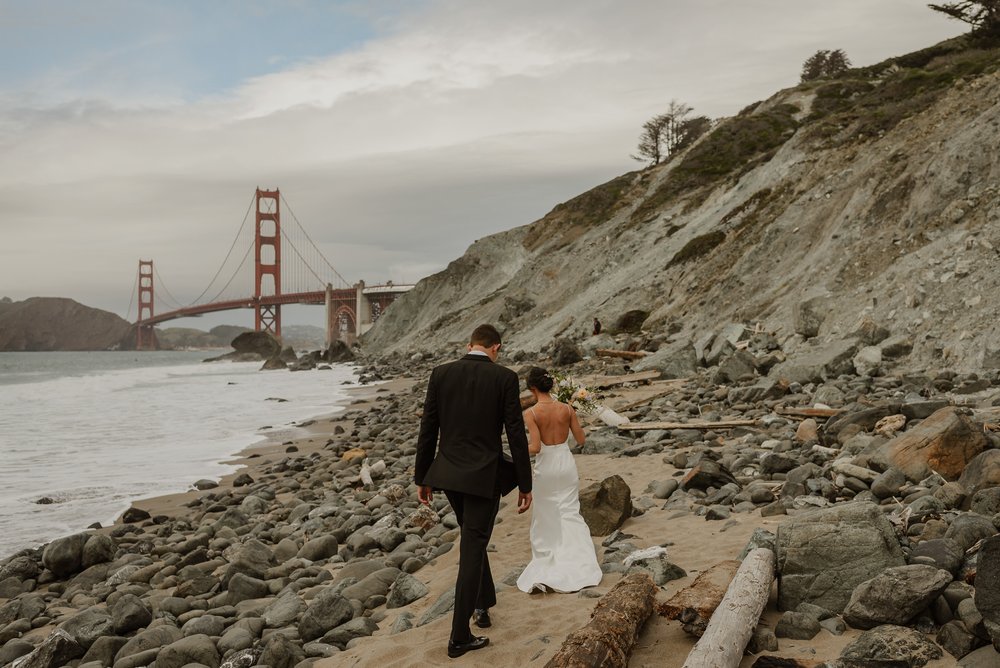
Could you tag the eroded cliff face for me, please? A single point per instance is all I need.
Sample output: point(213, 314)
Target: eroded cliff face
point(51, 323)
point(876, 196)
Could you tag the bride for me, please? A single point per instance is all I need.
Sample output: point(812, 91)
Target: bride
point(562, 553)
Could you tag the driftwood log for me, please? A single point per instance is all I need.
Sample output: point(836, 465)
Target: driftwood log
point(693, 606)
point(808, 412)
point(608, 638)
point(721, 424)
point(624, 354)
point(733, 622)
point(605, 382)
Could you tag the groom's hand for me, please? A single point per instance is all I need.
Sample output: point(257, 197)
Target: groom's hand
point(523, 502)
point(425, 494)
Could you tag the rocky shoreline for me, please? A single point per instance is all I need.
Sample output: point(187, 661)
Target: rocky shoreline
point(878, 493)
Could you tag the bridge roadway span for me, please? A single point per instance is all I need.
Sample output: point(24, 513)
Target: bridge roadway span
point(347, 295)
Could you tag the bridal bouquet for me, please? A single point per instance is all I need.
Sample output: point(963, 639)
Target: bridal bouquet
point(584, 400)
point(568, 391)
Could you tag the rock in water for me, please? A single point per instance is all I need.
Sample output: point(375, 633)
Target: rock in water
point(259, 343)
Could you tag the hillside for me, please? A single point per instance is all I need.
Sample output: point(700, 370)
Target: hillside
point(870, 199)
point(51, 323)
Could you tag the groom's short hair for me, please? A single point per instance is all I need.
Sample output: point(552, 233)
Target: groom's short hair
point(486, 336)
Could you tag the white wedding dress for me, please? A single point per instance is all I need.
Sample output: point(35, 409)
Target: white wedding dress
point(562, 553)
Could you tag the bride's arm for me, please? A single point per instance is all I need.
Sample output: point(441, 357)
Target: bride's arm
point(534, 436)
point(574, 426)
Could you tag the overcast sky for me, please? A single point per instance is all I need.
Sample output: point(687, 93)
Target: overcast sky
point(399, 131)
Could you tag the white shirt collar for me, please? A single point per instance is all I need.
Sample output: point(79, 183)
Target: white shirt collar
point(478, 352)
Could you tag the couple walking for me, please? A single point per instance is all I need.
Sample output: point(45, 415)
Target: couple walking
point(469, 403)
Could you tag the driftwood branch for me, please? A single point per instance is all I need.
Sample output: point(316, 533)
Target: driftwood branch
point(733, 622)
point(808, 412)
point(608, 638)
point(721, 424)
point(624, 354)
point(614, 381)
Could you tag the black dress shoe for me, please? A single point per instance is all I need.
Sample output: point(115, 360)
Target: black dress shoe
point(457, 649)
point(481, 618)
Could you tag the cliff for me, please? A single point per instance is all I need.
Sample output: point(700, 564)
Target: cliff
point(51, 323)
point(868, 199)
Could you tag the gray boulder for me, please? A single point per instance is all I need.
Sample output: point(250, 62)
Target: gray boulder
point(130, 613)
point(405, 590)
point(281, 652)
point(824, 554)
point(327, 611)
point(56, 650)
point(319, 548)
point(889, 645)
point(87, 626)
point(895, 596)
point(987, 596)
point(676, 360)
point(194, 649)
point(284, 610)
point(606, 505)
point(64, 556)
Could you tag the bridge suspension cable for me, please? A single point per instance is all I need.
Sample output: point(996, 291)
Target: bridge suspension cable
point(236, 239)
point(162, 288)
point(343, 282)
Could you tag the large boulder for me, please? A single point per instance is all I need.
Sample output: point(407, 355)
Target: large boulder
point(895, 596)
point(325, 612)
point(64, 556)
point(338, 352)
point(888, 645)
point(606, 505)
point(565, 352)
point(987, 596)
point(813, 365)
point(943, 443)
point(809, 316)
point(824, 554)
point(87, 626)
point(676, 360)
point(257, 343)
point(982, 472)
point(56, 650)
point(197, 649)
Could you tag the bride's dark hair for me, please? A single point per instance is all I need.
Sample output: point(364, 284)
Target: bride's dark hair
point(539, 379)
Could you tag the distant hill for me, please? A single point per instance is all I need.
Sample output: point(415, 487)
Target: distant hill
point(299, 337)
point(55, 323)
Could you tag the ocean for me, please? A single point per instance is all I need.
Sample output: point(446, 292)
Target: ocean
point(94, 431)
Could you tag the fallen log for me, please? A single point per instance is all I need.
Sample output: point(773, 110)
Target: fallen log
point(624, 354)
point(693, 606)
point(608, 638)
point(733, 622)
point(721, 424)
point(614, 381)
point(808, 412)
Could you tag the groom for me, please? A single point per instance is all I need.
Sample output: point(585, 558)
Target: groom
point(469, 402)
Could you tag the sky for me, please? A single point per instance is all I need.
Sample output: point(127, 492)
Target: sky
point(398, 131)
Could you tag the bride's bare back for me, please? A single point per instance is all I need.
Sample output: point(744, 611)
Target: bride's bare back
point(550, 422)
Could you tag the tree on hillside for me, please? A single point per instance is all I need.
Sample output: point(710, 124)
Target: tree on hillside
point(982, 15)
point(825, 64)
point(667, 132)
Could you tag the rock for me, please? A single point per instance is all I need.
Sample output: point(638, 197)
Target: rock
point(151, 639)
point(797, 626)
point(374, 584)
point(981, 472)
point(284, 610)
point(444, 604)
point(262, 344)
point(808, 430)
point(339, 352)
point(348, 631)
point(676, 360)
point(319, 548)
point(405, 590)
point(824, 554)
point(660, 569)
point(895, 596)
point(888, 483)
point(987, 597)
point(204, 484)
point(945, 553)
point(889, 645)
point(103, 650)
point(130, 613)
point(868, 361)
point(87, 626)
point(23, 568)
point(193, 649)
point(14, 649)
point(204, 625)
point(707, 474)
point(64, 556)
point(56, 650)
point(327, 611)
point(281, 652)
point(737, 367)
point(984, 657)
point(986, 502)
point(243, 587)
point(251, 558)
point(809, 316)
point(955, 639)
point(943, 443)
point(600, 442)
point(968, 529)
point(606, 505)
point(98, 549)
point(565, 352)
point(274, 364)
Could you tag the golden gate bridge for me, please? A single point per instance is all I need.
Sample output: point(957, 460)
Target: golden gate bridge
point(276, 280)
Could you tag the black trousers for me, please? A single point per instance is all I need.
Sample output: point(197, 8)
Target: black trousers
point(474, 587)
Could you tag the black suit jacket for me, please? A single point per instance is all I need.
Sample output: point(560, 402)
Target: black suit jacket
point(469, 403)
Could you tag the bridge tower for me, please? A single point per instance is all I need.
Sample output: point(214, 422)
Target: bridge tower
point(145, 339)
point(267, 243)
